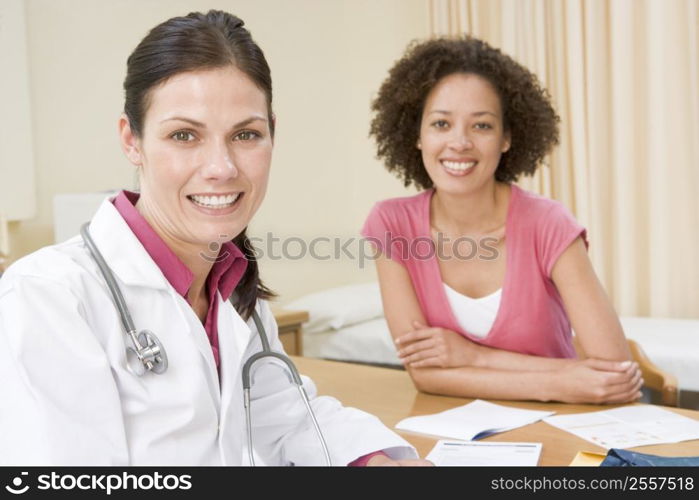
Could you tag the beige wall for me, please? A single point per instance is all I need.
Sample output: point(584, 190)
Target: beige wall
point(327, 56)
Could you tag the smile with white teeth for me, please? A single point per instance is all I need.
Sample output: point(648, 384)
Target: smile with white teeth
point(459, 166)
point(214, 201)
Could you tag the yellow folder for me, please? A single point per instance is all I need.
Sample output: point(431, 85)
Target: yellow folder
point(587, 459)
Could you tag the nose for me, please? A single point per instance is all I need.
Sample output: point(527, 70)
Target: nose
point(460, 140)
point(218, 163)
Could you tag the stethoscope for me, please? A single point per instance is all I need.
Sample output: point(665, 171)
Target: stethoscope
point(147, 354)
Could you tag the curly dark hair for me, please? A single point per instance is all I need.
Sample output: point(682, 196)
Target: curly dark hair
point(528, 114)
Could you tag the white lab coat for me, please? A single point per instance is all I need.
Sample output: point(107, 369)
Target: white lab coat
point(67, 397)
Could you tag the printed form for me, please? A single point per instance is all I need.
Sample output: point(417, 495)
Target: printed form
point(469, 453)
point(628, 426)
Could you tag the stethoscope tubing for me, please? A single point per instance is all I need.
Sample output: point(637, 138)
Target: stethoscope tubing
point(114, 289)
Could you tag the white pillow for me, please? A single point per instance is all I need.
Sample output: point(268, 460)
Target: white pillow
point(336, 308)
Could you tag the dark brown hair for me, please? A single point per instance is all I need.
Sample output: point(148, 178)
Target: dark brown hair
point(194, 42)
point(528, 115)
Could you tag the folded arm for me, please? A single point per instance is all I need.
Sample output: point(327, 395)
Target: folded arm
point(444, 362)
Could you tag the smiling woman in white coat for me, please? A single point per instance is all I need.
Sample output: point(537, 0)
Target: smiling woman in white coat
point(198, 125)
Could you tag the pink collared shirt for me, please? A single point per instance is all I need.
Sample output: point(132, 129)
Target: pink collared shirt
point(224, 275)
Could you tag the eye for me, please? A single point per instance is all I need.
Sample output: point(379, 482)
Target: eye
point(483, 126)
point(440, 124)
point(183, 136)
point(247, 135)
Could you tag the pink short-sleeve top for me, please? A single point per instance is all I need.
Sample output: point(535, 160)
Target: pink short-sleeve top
point(531, 318)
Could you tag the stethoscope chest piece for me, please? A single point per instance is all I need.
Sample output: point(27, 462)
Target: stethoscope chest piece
point(150, 355)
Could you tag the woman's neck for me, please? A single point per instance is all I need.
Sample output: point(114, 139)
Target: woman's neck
point(192, 256)
point(479, 213)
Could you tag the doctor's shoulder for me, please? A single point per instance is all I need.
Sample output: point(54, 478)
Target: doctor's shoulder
point(65, 266)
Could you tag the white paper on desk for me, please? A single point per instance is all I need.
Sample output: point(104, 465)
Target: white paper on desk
point(470, 453)
point(628, 426)
point(475, 420)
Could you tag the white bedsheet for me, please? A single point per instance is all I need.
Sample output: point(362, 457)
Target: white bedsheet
point(671, 344)
point(368, 342)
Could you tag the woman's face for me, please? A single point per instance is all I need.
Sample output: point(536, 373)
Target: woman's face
point(204, 155)
point(462, 134)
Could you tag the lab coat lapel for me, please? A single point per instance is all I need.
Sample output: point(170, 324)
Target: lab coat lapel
point(201, 340)
point(125, 255)
point(233, 338)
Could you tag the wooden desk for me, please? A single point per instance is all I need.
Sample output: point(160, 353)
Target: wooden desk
point(390, 395)
point(290, 329)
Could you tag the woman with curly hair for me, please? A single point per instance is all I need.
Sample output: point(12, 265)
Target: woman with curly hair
point(480, 279)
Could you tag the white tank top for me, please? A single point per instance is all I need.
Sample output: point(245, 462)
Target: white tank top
point(476, 316)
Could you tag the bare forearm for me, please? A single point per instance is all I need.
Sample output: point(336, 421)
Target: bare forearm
point(474, 382)
point(500, 359)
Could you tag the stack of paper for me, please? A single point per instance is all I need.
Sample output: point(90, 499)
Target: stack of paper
point(475, 420)
point(628, 426)
point(469, 453)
